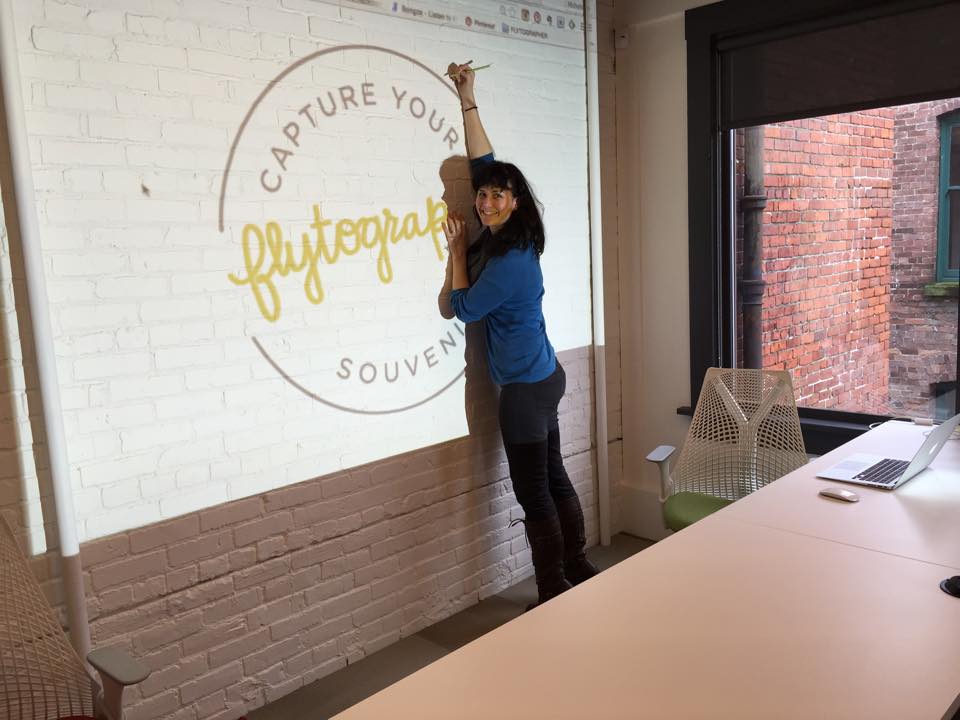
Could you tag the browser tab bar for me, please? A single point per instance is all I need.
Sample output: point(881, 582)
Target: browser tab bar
point(550, 22)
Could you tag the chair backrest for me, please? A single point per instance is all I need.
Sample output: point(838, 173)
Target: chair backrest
point(745, 433)
point(41, 676)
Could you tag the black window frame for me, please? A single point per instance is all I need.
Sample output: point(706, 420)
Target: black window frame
point(711, 275)
point(944, 272)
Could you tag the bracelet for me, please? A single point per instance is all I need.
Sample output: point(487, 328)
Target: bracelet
point(472, 107)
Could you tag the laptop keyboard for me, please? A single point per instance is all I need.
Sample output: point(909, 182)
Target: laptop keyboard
point(885, 472)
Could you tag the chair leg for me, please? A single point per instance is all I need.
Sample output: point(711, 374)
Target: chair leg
point(576, 567)
point(111, 706)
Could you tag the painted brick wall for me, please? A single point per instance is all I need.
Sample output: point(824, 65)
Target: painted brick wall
point(826, 239)
point(923, 328)
point(240, 602)
point(130, 108)
point(850, 246)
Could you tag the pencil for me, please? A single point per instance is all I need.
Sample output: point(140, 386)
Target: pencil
point(473, 69)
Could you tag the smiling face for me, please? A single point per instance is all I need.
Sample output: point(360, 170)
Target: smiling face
point(494, 206)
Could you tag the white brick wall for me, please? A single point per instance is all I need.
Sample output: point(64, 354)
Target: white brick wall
point(148, 157)
point(215, 499)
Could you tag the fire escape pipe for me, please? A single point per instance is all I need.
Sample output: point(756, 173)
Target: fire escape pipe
point(39, 311)
point(752, 204)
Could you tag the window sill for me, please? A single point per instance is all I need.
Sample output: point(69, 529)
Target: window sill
point(825, 430)
point(944, 289)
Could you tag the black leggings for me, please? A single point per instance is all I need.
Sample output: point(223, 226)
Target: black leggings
point(531, 438)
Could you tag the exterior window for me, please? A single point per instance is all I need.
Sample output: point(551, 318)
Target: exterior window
point(948, 230)
point(836, 250)
point(824, 235)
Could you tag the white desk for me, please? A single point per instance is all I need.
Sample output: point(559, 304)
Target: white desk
point(920, 520)
point(727, 619)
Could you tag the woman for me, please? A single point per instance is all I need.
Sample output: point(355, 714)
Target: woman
point(499, 280)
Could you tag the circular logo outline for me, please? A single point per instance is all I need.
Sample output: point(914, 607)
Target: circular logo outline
point(222, 202)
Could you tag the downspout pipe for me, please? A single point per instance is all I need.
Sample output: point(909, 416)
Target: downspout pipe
point(752, 205)
point(18, 148)
point(596, 270)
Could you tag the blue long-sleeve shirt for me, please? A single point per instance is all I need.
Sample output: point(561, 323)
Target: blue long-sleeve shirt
point(509, 294)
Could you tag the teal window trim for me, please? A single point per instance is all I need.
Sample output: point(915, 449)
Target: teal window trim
point(944, 272)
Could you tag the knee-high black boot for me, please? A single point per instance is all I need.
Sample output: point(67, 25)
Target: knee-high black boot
point(528, 473)
point(546, 546)
point(576, 567)
point(575, 564)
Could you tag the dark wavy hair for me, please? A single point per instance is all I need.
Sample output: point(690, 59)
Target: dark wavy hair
point(525, 226)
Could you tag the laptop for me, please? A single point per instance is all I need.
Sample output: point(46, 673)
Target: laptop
point(889, 473)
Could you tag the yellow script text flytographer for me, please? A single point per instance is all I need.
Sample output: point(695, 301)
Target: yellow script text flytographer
point(266, 253)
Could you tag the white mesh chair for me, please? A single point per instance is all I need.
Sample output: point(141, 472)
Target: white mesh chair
point(745, 433)
point(41, 676)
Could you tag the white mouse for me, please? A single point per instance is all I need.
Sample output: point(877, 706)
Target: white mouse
point(840, 494)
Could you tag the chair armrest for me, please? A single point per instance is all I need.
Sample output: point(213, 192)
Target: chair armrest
point(118, 666)
point(661, 456)
point(117, 670)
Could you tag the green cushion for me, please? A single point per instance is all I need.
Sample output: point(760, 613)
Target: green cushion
point(686, 508)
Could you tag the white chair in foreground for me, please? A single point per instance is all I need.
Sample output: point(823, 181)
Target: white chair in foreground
point(41, 676)
point(745, 433)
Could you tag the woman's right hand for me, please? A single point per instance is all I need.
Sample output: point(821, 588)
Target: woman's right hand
point(463, 78)
point(455, 228)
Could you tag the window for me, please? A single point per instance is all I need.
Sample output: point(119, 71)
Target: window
point(836, 247)
point(948, 231)
point(814, 192)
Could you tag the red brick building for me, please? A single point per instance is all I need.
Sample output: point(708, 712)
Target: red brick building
point(851, 303)
point(923, 312)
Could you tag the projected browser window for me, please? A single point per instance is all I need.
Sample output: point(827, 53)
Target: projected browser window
point(301, 335)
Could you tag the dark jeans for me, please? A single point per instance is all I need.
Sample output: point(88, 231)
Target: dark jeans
point(531, 438)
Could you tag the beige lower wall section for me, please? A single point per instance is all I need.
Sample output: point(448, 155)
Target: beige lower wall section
point(237, 605)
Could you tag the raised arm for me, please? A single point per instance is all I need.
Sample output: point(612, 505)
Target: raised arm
point(478, 145)
point(476, 139)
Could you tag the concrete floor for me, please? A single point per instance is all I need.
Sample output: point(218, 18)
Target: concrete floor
point(333, 694)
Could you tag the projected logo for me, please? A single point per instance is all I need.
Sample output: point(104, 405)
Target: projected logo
point(333, 200)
